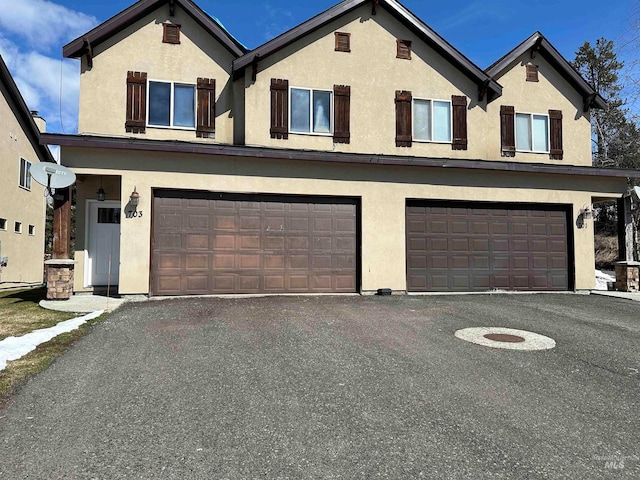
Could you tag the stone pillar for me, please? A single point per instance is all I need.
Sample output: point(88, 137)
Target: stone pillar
point(59, 279)
point(628, 276)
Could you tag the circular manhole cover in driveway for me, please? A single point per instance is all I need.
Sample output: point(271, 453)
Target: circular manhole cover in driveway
point(508, 338)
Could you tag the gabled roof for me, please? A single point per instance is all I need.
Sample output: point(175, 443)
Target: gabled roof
point(537, 43)
point(135, 12)
point(22, 113)
point(407, 18)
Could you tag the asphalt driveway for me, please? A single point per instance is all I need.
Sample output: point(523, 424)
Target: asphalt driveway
point(336, 387)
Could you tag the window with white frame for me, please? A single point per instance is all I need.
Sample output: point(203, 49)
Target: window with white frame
point(32, 230)
point(3, 223)
point(532, 132)
point(431, 120)
point(17, 227)
point(172, 104)
point(25, 174)
point(310, 111)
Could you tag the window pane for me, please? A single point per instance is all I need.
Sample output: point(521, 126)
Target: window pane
point(441, 122)
point(184, 110)
point(422, 119)
point(108, 215)
point(540, 135)
point(321, 112)
point(23, 168)
point(523, 131)
point(300, 104)
point(27, 179)
point(159, 103)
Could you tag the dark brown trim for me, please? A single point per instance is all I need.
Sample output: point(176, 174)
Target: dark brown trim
point(541, 44)
point(407, 18)
point(173, 146)
point(122, 20)
point(22, 113)
point(403, 49)
point(342, 42)
point(531, 73)
point(171, 33)
point(459, 114)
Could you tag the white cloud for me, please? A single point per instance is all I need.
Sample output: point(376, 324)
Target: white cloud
point(43, 24)
point(32, 33)
point(39, 80)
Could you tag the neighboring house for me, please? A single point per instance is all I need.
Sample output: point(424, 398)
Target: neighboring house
point(357, 151)
point(22, 200)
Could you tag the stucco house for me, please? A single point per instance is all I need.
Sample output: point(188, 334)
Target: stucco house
point(355, 152)
point(22, 201)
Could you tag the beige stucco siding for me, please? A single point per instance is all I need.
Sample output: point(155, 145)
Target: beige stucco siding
point(383, 191)
point(551, 92)
point(25, 252)
point(374, 74)
point(139, 48)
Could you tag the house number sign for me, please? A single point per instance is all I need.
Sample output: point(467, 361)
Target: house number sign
point(133, 214)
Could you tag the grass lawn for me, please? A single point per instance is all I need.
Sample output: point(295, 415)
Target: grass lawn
point(21, 314)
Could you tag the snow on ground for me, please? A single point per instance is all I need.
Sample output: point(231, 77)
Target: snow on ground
point(602, 278)
point(12, 348)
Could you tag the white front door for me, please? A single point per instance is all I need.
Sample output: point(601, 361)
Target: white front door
point(103, 262)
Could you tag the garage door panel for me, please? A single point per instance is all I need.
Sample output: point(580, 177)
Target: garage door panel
point(475, 247)
point(275, 245)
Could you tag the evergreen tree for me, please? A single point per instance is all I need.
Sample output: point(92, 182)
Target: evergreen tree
point(600, 66)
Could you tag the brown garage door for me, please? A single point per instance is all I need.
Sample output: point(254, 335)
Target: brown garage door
point(476, 247)
point(210, 243)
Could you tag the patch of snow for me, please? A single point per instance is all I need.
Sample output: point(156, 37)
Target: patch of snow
point(602, 279)
point(12, 348)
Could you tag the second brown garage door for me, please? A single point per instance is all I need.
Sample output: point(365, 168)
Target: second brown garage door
point(455, 246)
point(213, 243)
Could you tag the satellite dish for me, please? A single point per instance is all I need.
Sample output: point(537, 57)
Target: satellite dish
point(52, 175)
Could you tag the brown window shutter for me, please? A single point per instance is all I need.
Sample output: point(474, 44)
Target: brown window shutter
point(206, 115)
point(459, 104)
point(341, 113)
point(532, 73)
point(404, 49)
point(507, 131)
point(136, 102)
point(403, 118)
point(555, 134)
point(171, 33)
point(279, 108)
point(343, 42)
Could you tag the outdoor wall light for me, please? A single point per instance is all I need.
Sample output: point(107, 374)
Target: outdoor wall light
point(101, 194)
point(134, 198)
point(586, 212)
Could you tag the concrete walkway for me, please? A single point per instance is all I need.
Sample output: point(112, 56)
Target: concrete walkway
point(627, 295)
point(84, 303)
point(89, 303)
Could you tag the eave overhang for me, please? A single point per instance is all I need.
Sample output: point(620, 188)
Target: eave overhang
point(538, 44)
point(23, 114)
point(104, 31)
point(486, 85)
point(173, 146)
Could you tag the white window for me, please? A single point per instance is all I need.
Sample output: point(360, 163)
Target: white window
point(431, 120)
point(25, 174)
point(17, 227)
point(532, 132)
point(172, 105)
point(32, 230)
point(310, 111)
point(3, 223)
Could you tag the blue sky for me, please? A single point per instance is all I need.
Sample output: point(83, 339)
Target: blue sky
point(32, 33)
